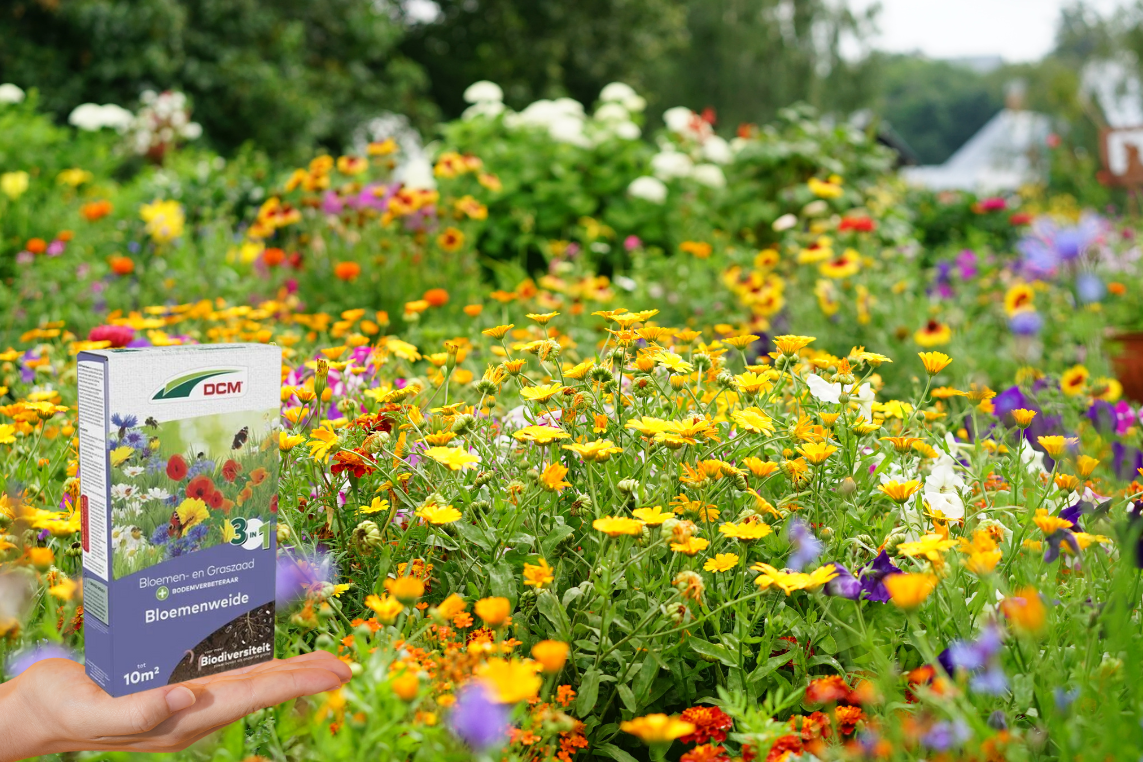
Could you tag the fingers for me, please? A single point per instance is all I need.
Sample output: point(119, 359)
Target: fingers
point(137, 713)
point(314, 656)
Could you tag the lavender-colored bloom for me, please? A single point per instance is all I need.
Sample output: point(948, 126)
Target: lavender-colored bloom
point(1064, 698)
point(1055, 540)
point(978, 657)
point(202, 466)
point(966, 263)
point(20, 662)
point(135, 440)
point(55, 248)
point(1090, 288)
point(478, 720)
point(997, 720)
point(295, 576)
point(1026, 323)
point(844, 585)
point(331, 203)
point(991, 681)
point(197, 533)
point(160, 535)
point(133, 247)
point(872, 578)
point(806, 546)
point(944, 735)
point(1050, 246)
point(124, 421)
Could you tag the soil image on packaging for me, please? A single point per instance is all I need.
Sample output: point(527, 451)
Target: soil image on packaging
point(253, 631)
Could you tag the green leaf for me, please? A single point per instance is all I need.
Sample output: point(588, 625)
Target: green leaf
point(502, 581)
point(712, 651)
point(646, 675)
point(628, 699)
point(560, 533)
point(763, 671)
point(473, 534)
point(613, 751)
point(548, 605)
point(588, 692)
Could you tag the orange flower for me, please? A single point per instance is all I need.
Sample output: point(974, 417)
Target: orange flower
point(347, 271)
point(551, 654)
point(36, 245)
point(473, 310)
point(121, 265)
point(451, 239)
point(96, 210)
point(494, 611)
point(437, 297)
point(273, 257)
point(1025, 610)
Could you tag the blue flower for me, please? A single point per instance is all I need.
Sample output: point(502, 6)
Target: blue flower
point(160, 535)
point(944, 735)
point(478, 720)
point(1026, 323)
point(1090, 288)
point(295, 576)
point(135, 440)
point(21, 661)
point(872, 576)
point(124, 421)
point(806, 546)
point(201, 466)
point(844, 585)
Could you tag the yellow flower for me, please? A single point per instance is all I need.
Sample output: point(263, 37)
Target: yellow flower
point(541, 318)
point(983, 553)
point(745, 531)
point(405, 589)
point(510, 681)
point(752, 383)
point(288, 441)
point(652, 516)
point(614, 527)
point(788, 582)
point(455, 458)
point(1074, 380)
point(657, 728)
point(551, 655)
point(791, 345)
point(900, 491)
point(672, 362)
point(824, 188)
point(817, 453)
point(376, 506)
point(120, 455)
point(13, 184)
point(499, 331)
point(753, 420)
point(165, 220)
point(741, 342)
point(438, 514)
point(494, 611)
point(541, 435)
point(690, 546)
point(74, 177)
point(1049, 524)
point(721, 562)
point(901, 444)
point(323, 440)
point(598, 451)
point(760, 468)
point(934, 362)
point(934, 334)
point(1023, 417)
point(931, 546)
point(1055, 446)
point(552, 478)
point(538, 575)
point(908, 591)
point(192, 511)
point(862, 426)
point(387, 608)
point(541, 393)
point(1086, 464)
point(7, 433)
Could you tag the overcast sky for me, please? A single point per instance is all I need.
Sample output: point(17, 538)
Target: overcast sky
point(1017, 30)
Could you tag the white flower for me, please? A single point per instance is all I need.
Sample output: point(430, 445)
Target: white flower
point(717, 150)
point(948, 503)
point(617, 92)
point(483, 92)
point(9, 93)
point(648, 188)
point(679, 118)
point(490, 109)
point(417, 174)
point(627, 130)
point(157, 493)
point(611, 112)
point(122, 491)
point(133, 471)
point(709, 174)
point(1033, 459)
point(568, 129)
point(942, 487)
point(192, 131)
point(92, 116)
point(785, 222)
point(669, 164)
point(823, 390)
point(864, 398)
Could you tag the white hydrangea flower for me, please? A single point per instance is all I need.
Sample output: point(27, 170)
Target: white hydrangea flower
point(612, 112)
point(669, 164)
point(717, 150)
point(417, 174)
point(490, 109)
point(710, 175)
point(10, 93)
point(483, 92)
point(648, 188)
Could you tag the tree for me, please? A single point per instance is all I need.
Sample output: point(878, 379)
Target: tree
point(283, 73)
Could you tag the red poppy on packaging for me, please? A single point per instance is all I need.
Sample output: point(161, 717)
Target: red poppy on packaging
point(176, 468)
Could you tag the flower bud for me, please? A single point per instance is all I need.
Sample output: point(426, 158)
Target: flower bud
point(847, 487)
point(701, 361)
point(367, 537)
point(464, 424)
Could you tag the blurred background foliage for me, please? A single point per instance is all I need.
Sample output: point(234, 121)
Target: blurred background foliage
point(289, 75)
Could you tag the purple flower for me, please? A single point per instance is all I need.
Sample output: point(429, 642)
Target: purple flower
point(966, 263)
point(806, 546)
point(1026, 323)
point(478, 720)
point(844, 585)
point(295, 576)
point(20, 662)
point(331, 203)
point(55, 248)
point(1090, 288)
point(944, 735)
point(872, 578)
point(1050, 246)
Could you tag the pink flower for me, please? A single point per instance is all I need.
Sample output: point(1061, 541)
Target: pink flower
point(118, 335)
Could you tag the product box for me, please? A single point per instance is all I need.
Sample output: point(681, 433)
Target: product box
point(178, 468)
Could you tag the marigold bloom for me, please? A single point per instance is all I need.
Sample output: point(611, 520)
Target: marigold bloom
point(165, 220)
point(908, 591)
point(552, 478)
point(455, 458)
point(930, 546)
point(542, 392)
point(721, 562)
point(493, 611)
point(598, 451)
point(760, 468)
point(540, 435)
point(817, 453)
point(788, 582)
point(510, 681)
point(753, 420)
point(1025, 611)
point(791, 345)
point(900, 491)
point(614, 527)
point(499, 331)
point(1056, 446)
point(657, 728)
point(346, 271)
point(711, 724)
point(541, 318)
point(387, 608)
point(551, 655)
point(439, 514)
point(826, 690)
point(405, 589)
point(1050, 524)
point(437, 297)
point(745, 531)
point(934, 362)
point(652, 516)
point(538, 575)
point(406, 685)
point(1023, 417)
point(96, 210)
point(121, 265)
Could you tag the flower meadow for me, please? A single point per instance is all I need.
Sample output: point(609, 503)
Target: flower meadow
point(599, 447)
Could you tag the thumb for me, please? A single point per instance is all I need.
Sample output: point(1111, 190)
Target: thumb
point(140, 712)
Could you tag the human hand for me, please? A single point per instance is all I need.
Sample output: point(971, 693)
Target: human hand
point(55, 707)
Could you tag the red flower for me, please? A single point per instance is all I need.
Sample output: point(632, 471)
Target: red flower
point(118, 335)
point(784, 745)
point(350, 461)
point(858, 224)
point(826, 690)
point(274, 503)
point(201, 487)
point(215, 500)
point(176, 468)
point(794, 641)
point(230, 470)
point(848, 717)
point(711, 724)
point(705, 753)
point(812, 727)
point(1020, 218)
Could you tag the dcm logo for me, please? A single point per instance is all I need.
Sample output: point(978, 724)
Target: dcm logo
point(212, 383)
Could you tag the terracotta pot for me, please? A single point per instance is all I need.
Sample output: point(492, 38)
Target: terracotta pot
point(1129, 363)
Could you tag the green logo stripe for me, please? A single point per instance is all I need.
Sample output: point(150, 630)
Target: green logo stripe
point(183, 385)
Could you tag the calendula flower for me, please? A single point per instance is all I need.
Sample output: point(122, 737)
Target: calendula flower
point(541, 318)
point(376, 506)
point(908, 591)
point(652, 516)
point(165, 220)
point(791, 345)
point(405, 589)
point(934, 362)
point(721, 562)
point(901, 444)
point(551, 655)
point(538, 575)
point(929, 546)
point(510, 681)
point(288, 441)
point(1056, 446)
point(552, 478)
point(817, 453)
point(542, 393)
point(741, 342)
point(1074, 380)
point(540, 435)
point(1023, 417)
point(493, 611)
point(788, 582)
point(499, 331)
point(657, 728)
point(983, 552)
point(934, 334)
point(752, 383)
point(614, 527)
point(598, 451)
point(690, 545)
point(455, 458)
point(439, 514)
point(745, 531)
point(900, 491)
point(387, 608)
point(753, 420)
point(1025, 611)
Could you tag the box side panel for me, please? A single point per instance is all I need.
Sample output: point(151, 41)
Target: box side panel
point(94, 500)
